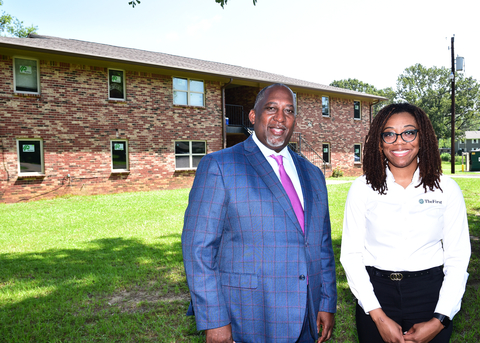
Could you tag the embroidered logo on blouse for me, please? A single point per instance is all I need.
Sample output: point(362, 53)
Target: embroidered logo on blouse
point(421, 201)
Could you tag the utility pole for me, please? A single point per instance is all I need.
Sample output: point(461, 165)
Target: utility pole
point(452, 151)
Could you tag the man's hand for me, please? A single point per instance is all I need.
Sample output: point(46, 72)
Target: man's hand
point(325, 320)
point(219, 335)
point(424, 332)
point(390, 331)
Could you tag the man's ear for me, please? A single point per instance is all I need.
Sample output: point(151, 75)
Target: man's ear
point(251, 116)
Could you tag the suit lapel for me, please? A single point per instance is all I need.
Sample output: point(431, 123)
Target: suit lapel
point(266, 173)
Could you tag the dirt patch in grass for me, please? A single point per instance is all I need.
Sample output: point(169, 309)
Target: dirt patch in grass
point(137, 300)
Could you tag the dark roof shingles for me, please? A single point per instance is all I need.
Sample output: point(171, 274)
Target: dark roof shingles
point(95, 50)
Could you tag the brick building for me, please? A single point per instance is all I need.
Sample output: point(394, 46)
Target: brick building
point(85, 118)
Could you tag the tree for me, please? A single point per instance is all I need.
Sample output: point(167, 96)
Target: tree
point(430, 89)
point(359, 86)
point(355, 85)
point(222, 3)
point(13, 27)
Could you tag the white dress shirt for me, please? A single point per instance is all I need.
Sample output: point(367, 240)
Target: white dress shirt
point(406, 230)
point(288, 164)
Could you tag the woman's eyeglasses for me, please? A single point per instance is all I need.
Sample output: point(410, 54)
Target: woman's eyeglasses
point(391, 137)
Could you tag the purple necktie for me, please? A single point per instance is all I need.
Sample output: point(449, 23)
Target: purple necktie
point(291, 192)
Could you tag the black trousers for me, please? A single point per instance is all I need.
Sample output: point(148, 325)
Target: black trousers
point(407, 302)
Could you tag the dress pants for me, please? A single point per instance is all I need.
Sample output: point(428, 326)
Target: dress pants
point(407, 302)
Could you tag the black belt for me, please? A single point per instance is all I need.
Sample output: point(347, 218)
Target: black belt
point(398, 276)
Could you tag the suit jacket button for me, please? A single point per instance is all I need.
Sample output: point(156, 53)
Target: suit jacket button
point(302, 277)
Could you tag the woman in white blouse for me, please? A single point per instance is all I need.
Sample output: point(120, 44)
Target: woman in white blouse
point(405, 245)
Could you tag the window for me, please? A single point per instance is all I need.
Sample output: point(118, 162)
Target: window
point(357, 153)
point(474, 141)
point(188, 154)
point(30, 157)
point(326, 152)
point(116, 84)
point(188, 92)
point(325, 106)
point(26, 76)
point(119, 155)
point(356, 110)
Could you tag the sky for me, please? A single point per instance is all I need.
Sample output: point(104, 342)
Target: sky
point(320, 41)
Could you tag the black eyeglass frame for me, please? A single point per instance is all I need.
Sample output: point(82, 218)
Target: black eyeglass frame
point(400, 134)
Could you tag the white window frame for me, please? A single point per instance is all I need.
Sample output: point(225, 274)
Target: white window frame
point(188, 91)
point(360, 110)
point(42, 158)
point(328, 115)
point(15, 75)
point(360, 161)
point(119, 170)
point(124, 84)
point(329, 152)
point(190, 154)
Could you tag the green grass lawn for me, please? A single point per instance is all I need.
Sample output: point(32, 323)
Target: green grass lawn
point(447, 169)
point(109, 269)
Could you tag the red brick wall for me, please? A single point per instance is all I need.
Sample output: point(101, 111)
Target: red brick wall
point(340, 129)
point(76, 121)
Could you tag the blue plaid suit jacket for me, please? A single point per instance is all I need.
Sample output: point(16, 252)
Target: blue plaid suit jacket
point(246, 258)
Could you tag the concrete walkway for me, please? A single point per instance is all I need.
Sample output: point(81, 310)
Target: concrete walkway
point(466, 176)
point(329, 181)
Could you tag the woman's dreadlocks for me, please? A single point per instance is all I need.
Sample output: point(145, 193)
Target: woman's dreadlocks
point(375, 162)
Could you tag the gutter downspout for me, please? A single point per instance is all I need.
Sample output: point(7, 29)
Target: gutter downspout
point(224, 115)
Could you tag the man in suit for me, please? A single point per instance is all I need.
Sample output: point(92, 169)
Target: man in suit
point(258, 259)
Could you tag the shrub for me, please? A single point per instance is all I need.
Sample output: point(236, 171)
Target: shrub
point(337, 172)
point(446, 157)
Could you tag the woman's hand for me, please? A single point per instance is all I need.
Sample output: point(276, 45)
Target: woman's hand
point(390, 331)
point(424, 332)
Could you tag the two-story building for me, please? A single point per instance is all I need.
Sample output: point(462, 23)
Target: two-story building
point(471, 142)
point(79, 117)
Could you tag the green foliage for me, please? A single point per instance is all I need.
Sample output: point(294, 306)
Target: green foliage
point(13, 27)
point(446, 157)
point(444, 142)
point(224, 2)
point(430, 89)
point(134, 3)
point(337, 172)
point(355, 85)
point(359, 86)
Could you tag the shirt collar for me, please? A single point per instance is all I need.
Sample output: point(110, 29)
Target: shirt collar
point(415, 179)
point(267, 151)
